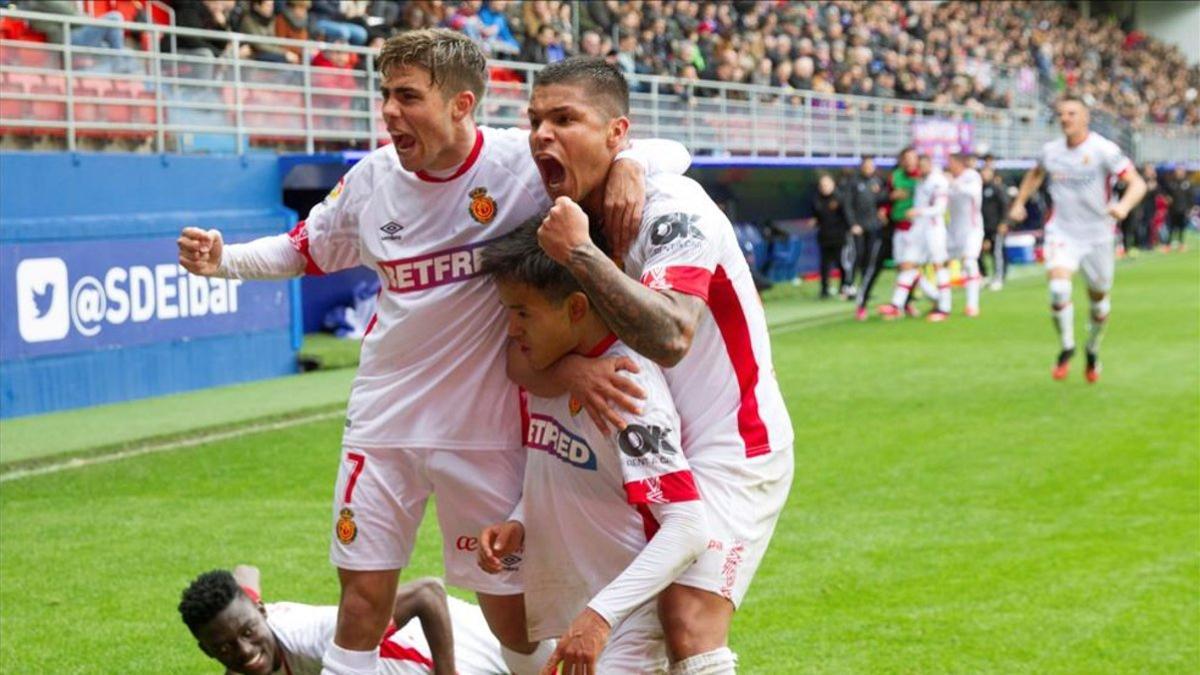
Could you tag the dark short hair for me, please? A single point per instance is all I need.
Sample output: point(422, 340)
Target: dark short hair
point(517, 257)
point(603, 80)
point(207, 597)
point(903, 151)
point(1072, 98)
point(961, 156)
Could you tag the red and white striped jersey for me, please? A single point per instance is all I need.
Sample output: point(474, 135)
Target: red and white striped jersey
point(966, 201)
point(305, 632)
point(725, 388)
point(586, 494)
point(1080, 180)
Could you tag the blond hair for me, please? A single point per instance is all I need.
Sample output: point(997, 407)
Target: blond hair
point(453, 61)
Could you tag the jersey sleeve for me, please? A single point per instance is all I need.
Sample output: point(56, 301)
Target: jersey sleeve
point(329, 238)
point(679, 252)
point(303, 630)
point(1115, 161)
point(653, 468)
point(658, 156)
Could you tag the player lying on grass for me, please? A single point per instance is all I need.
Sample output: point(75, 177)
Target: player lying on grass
point(1079, 230)
point(430, 411)
point(430, 633)
point(684, 298)
point(609, 517)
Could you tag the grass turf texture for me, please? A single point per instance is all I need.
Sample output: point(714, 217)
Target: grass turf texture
point(953, 508)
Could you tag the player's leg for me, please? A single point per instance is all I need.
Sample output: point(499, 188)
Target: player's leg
point(904, 251)
point(745, 499)
point(475, 489)
point(635, 645)
point(1097, 267)
point(379, 500)
point(938, 256)
point(1062, 259)
point(972, 248)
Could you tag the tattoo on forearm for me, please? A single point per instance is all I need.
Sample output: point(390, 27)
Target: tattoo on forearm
point(646, 320)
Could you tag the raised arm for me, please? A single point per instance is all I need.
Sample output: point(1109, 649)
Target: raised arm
point(425, 599)
point(657, 324)
point(625, 192)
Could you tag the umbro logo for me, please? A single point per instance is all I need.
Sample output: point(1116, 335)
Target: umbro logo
point(391, 231)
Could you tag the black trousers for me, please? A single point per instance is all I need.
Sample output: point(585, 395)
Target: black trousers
point(995, 248)
point(870, 257)
point(1176, 224)
point(831, 258)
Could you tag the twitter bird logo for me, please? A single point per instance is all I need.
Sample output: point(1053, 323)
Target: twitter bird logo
point(43, 314)
point(43, 299)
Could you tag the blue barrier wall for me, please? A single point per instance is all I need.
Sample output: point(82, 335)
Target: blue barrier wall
point(95, 308)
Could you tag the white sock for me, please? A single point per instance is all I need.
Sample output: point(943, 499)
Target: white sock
point(1063, 311)
point(929, 288)
point(717, 662)
point(339, 661)
point(1097, 324)
point(904, 286)
point(528, 664)
point(943, 287)
point(971, 271)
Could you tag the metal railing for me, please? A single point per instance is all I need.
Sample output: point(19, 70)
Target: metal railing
point(171, 100)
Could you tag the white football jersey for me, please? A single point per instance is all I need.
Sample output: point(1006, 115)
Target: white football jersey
point(725, 387)
point(431, 373)
point(1080, 181)
point(966, 201)
point(586, 494)
point(932, 196)
point(305, 632)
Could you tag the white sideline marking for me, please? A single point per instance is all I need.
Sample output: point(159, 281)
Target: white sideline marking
point(80, 462)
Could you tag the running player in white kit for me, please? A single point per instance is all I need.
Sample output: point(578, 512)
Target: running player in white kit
point(924, 242)
point(685, 299)
point(430, 633)
point(607, 519)
point(1081, 167)
point(965, 241)
point(431, 410)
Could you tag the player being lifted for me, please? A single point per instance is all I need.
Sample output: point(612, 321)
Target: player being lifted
point(607, 518)
point(965, 241)
point(684, 298)
point(1081, 168)
point(431, 633)
point(431, 410)
point(924, 242)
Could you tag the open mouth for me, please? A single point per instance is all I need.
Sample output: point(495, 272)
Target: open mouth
point(255, 664)
point(552, 170)
point(404, 142)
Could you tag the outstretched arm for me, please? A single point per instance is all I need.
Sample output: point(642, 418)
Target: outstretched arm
point(1029, 185)
point(425, 599)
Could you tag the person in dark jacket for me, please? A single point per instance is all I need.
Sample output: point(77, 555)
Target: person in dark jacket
point(832, 228)
point(865, 195)
point(1180, 192)
point(994, 209)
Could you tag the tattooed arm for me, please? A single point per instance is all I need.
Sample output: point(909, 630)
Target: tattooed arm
point(658, 325)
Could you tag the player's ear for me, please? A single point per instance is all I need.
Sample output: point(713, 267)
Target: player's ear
point(462, 105)
point(618, 132)
point(577, 306)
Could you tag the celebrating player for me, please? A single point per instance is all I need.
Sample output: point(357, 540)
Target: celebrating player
point(923, 242)
point(1079, 230)
point(683, 297)
point(430, 633)
point(430, 411)
point(592, 563)
point(965, 241)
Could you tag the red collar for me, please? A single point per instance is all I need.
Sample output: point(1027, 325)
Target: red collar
point(462, 168)
point(602, 346)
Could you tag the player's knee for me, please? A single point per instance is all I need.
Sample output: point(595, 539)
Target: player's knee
point(1101, 308)
point(694, 621)
point(720, 661)
point(1060, 293)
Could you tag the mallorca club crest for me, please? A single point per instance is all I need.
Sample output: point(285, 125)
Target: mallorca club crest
point(482, 207)
point(345, 529)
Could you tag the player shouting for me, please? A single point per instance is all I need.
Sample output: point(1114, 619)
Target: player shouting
point(430, 410)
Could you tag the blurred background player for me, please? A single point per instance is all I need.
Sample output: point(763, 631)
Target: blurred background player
point(607, 518)
point(830, 211)
point(430, 632)
point(1079, 232)
point(994, 209)
point(902, 183)
point(685, 299)
point(924, 242)
point(965, 240)
point(864, 196)
point(1181, 199)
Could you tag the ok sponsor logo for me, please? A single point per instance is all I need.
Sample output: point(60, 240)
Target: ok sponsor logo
point(644, 445)
point(50, 303)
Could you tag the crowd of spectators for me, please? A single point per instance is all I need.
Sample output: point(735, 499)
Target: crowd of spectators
point(976, 54)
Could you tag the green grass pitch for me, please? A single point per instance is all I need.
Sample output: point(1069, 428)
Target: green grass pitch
point(954, 510)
